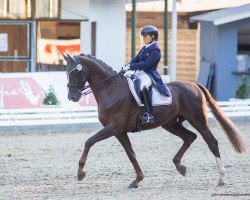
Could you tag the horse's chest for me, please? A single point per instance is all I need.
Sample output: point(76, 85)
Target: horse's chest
point(103, 115)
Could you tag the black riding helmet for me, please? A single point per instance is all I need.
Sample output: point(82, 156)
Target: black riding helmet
point(150, 30)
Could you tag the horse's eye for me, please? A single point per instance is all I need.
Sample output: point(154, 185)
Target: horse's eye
point(74, 73)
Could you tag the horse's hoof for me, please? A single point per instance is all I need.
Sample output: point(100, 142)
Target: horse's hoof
point(81, 175)
point(183, 170)
point(133, 185)
point(222, 183)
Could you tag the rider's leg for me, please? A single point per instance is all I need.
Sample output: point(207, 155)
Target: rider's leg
point(148, 117)
point(146, 82)
point(145, 79)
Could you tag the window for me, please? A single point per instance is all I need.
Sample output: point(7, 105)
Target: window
point(244, 40)
point(3, 8)
point(22, 9)
point(243, 56)
point(15, 9)
point(54, 38)
point(47, 8)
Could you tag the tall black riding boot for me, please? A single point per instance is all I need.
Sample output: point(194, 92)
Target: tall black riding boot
point(148, 117)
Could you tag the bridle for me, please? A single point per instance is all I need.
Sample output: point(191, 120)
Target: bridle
point(81, 88)
point(79, 85)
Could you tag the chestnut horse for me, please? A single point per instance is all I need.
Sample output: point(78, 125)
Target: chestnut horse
point(118, 111)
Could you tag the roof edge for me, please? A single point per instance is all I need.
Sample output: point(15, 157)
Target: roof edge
point(232, 18)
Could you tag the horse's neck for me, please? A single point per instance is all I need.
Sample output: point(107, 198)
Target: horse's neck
point(97, 73)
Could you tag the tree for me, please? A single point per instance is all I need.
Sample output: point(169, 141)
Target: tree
point(51, 98)
point(243, 89)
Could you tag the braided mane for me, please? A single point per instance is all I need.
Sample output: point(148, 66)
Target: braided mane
point(99, 61)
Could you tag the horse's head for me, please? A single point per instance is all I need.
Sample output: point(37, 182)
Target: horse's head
point(78, 75)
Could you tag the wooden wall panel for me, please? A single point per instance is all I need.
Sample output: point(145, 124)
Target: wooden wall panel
point(13, 66)
point(17, 39)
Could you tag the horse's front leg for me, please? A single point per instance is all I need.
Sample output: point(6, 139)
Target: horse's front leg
point(125, 142)
point(103, 134)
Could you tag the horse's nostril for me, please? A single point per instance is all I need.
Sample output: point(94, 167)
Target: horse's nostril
point(74, 99)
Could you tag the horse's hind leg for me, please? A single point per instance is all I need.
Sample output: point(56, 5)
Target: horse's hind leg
point(200, 123)
point(175, 127)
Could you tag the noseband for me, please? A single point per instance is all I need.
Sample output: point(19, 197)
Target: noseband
point(79, 85)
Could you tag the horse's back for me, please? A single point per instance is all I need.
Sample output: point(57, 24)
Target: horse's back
point(185, 90)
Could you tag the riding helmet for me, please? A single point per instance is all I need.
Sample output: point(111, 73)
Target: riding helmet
point(150, 30)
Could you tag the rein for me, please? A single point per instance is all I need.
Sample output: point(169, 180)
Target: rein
point(96, 86)
point(100, 84)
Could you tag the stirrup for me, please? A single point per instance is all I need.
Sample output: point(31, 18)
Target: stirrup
point(147, 118)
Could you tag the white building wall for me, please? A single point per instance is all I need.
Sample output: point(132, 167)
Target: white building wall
point(74, 9)
point(110, 17)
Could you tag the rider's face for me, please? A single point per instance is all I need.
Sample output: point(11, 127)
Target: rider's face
point(147, 39)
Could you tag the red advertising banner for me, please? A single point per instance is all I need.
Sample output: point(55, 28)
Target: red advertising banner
point(49, 50)
point(20, 93)
point(28, 90)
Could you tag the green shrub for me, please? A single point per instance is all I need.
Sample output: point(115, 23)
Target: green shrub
point(51, 98)
point(243, 90)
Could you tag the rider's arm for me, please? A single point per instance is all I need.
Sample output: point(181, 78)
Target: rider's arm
point(153, 58)
point(136, 59)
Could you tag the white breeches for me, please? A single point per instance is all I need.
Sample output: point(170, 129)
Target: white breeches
point(144, 78)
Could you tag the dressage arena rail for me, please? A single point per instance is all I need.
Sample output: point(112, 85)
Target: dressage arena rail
point(56, 116)
point(48, 116)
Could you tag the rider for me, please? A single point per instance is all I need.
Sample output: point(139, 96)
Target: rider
point(145, 64)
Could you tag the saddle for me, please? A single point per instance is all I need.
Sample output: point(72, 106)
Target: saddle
point(157, 99)
point(137, 86)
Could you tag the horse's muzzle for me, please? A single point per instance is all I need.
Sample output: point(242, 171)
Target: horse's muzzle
point(73, 98)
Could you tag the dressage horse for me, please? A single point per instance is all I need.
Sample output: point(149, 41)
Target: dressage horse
point(118, 111)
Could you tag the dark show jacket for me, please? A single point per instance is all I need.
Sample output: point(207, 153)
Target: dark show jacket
point(147, 60)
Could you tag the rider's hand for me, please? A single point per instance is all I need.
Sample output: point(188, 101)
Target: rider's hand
point(126, 67)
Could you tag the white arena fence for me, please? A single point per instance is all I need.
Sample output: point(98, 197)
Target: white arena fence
point(234, 108)
point(56, 116)
point(48, 116)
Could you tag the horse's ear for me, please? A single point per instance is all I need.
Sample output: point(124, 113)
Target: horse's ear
point(65, 57)
point(71, 60)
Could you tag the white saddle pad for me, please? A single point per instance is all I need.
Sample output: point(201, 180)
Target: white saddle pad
point(157, 98)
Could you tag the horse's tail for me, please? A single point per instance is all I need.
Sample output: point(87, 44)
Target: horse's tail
point(230, 130)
